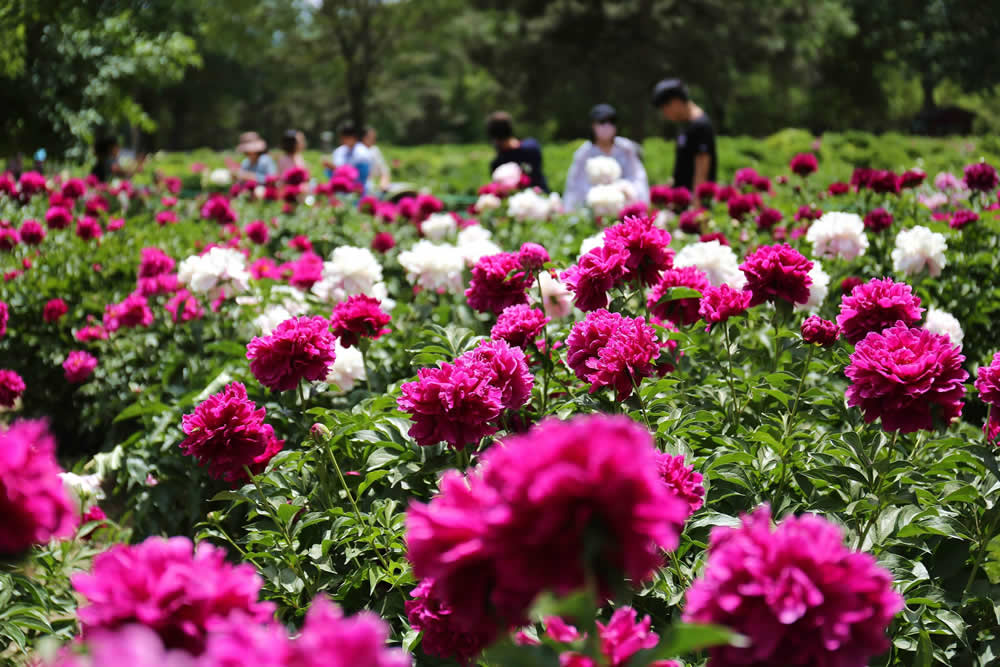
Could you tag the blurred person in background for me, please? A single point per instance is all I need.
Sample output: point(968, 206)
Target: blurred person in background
point(293, 146)
point(107, 165)
point(351, 151)
point(605, 142)
point(257, 165)
point(379, 177)
point(527, 153)
point(41, 155)
point(696, 160)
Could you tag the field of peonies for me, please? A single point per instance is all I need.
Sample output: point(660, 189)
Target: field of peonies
point(289, 425)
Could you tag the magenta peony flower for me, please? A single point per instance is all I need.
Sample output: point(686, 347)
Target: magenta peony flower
point(184, 307)
point(34, 502)
point(798, 594)
point(808, 213)
point(682, 312)
point(301, 243)
point(88, 228)
point(594, 274)
point(706, 192)
point(777, 272)
point(660, 195)
point(79, 366)
point(4, 317)
point(682, 480)
point(359, 316)
point(218, 208)
point(981, 176)
point(533, 256)
point(257, 232)
point(519, 325)
point(803, 164)
point(725, 193)
point(508, 367)
point(498, 281)
point(878, 220)
point(960, 219)
point(383, 242)
point(838, 188)
point(133, 312)
point(861, 177)
point(91, 333)
point(817, 331)
point(329, 639)
point(32, 182)
point(443, 635)
point(740, 205)
point(455, 403)
point(624, 635)
point(54, 310)
point(11, 387)
point(95, 206)
point(848, 284)
point(609, 350)
point(911, 378)
point(300, 348)
point(295, 176)
point(305, 271)
point(768, 218)
point(884, 182)
point(645, 247)
point(875, 305)
point(718, 304)
point(31, 232)
point(227, 432)
point(988, 382)
point(912, 178)
point(638, 208)
point(132, 645)
point(690, 221)
point(58, 217)
point(164, 218)
point(680, 198)
point(179, 590)
point(9, 238)
point(114, 224)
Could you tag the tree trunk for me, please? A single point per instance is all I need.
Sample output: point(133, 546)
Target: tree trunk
point(927, 86)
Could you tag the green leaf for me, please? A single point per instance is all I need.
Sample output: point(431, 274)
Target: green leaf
point(684, 638)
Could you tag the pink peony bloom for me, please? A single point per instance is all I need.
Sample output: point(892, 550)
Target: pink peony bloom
point(295, 176)
point(4, 317)
point(533, 256)
point(609, 350)
point(32, 182)
point(31, 232)
point(690, 221)
point(878, 220)
point(79, 366)
point(11, 387)
point(498, 281)
point(660, 195)
point(54, 310)
point(257, 232)
point(9, 238)
point(884, 182)
point(91, 333)
point(506, 368)
point(179, 590)
point(184, 307)
point(34, 502)
point(988, 382)
point(848, 284)
point(300, 348)
point(114, 224)
point(88, 228)
point(594, 274)
point(960, 219)
point(133, 312)
point(777, 272)
point(804, 164)
point(912, 178)
point(164, 218)
point(911, 378)
point(875, 305)
point(131, 645)
point(519, 325)
point(838, 188)
point(265, 267)
point(718, 304)
point(682, 480)
point(741, 204)
point(798, 594)
point(706, 192)
point(639, 208)
point(383, 242)
point(218, 208)
point(981, 176)
point(306, 271)
point(624, 635)
point(301, 243)
point(768, 218)
point(330, 639)
point(359, 316)
point(684, 311)
point(58, 217)
point(680, 198)
point(226, 432)
point(95, 206)
point(645, 247)
point(443, 635)
point(808, 213)
point(817, 331)
point(154, 262)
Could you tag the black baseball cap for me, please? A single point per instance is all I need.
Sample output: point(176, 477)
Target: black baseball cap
point(603, 113)
point(669, 89)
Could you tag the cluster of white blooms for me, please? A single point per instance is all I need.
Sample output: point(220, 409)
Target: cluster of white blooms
point(507, 175)
point(474, 242)
point(438, 226)
point(557, 300)
point(434, 266)
point(945, 324)
point(291, 303)
point(347, 368)
point(838, 234)
point(818, 289)
point(350, 271)
point(606, 200)
point(218, 271)
point(220, 178)
point(718, 262)
point(591, 242)
point(917, 249)
point(529, 205)
point(603, 170)
point(85, 490)
point(487, 202)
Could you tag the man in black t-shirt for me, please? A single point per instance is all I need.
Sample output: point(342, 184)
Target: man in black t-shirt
point(527, 153)
point(696, 160)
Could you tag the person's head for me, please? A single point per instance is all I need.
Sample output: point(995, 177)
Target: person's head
point(252, 145)
point(106, 147)
point(369, 137)
point(671, 97)
point(290, 142)
point(499, 127)
point(604, 119)
point(348, 134)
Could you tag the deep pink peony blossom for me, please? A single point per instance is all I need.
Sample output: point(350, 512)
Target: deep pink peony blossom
point(295, 176)
point(777, 272)
point(443, 635)
point(706, 192)
point(133, 312)
point(88, 228)
point(838, 188)
point(79, 366)
point(184, 307)
point(91, 333)
point(11, 387)
point(680, 198)
point(639, 208)
point(817, 331)
point(884, 182)
point(359, 316)
point(714, 236)
point(498, 281)
point(796, 591)
point(383, 242)
point(740, 205)
point(164, 218)
point(305, 271)
point(768, 218)
point(32, 182)
point(179, 590)
point(912, 178)
point(32, 233)
point(456, 403)
point(257, 232)
point(9, 238)
point(4, 317)
point(848, 284)
point(878, 220)
point(911, 378)
point(265, 267)
point(684, 311)
point(330, 639)
point(991, 429)
point(660, 195)
point(981, 176)
point(58, 217)
point(54, 310)
point(533, 256)
point(508, 367)
point(690, 221)
point(154, 262)
point(988, 382)
point(594, 274)
point(624, 635)
point(861, 177)
point(960, 219)
point(300, 348)
point(682, 480)
point(875, 305)
point(519, 325)
point(132, 645)
point(808, 213)
point(803, 164)
point(725, 193)
point(218, 208)
point(609, 350)
point(95, 206)
point(745, 177)
point(227, 432)
point(301, 243)
point(718, 304)
point(34, 502)
point(645, 246)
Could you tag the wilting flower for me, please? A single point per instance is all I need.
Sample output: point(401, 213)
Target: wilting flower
point(838, 234)
point(777, 272)
point(917, 249)
point(79, 366)
point(519, 325)
point(876, 305)
point(718, 304)
point(683, 311)
point(944, 324)
point(911, 378)
point(609, 350)
point(298, 349)
point(981, 176)
point(359, 316)
point(817, 331)
point(594, 274)
point(795, 591)
point(498, 281)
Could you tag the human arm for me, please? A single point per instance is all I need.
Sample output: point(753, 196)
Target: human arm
point(702, 166)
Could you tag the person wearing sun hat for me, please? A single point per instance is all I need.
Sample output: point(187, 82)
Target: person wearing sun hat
point(257, 165)
point(605, 142)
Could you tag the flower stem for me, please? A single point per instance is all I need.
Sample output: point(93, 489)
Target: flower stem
point(730, 378)
point(877, 488)
point(293, 561)
point(789, 424)
point(642, 405)
point(985, 538)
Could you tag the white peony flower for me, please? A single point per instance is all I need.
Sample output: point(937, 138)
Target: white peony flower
point(218, 271)
point(488, 202)
point(220, 177)
point(919, 248)
point(528, 205)
point(555, 203)
point(838, 234)
point(717, 261)
point(85, 490)
point(507, 175)
point(259, 192)
point(945, 324)
point(818, 290)
point(627, 189)
point(350, 271)
point(603, 170)
point(434, 266)
point(664, 218)
point(272, 316)
point(591, 242)
point(474, 242)
point(438, 226)
point(557, 300)
point(292, 303)
point(347, 368)
point(606, 200)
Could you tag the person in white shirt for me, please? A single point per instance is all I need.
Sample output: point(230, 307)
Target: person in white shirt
point(379, 176)
point(605, 143)
point(351, 151)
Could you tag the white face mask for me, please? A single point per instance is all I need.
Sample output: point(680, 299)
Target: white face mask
point(604, 131)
